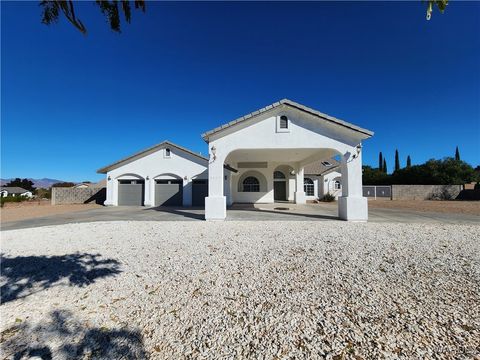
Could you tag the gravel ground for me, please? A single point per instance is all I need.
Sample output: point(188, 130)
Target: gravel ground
point(272, 290)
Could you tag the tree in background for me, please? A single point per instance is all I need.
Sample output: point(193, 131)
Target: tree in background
point(380, 161)
point(409, 162)
point(447, 171)
point(371, 176)
point(457, 154)
point(397, 161)
point(51, 10)
point(441, 5)
point(64, 184)
point(384, 167)
point(23, 183)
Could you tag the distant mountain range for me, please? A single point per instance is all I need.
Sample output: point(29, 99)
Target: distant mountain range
point(38, 183)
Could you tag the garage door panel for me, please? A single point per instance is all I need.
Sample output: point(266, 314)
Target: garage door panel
point(168, 194)
point(131, 194)
point(199, 192)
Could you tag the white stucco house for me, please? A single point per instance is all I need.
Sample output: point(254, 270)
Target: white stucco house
point(15, 191)
point(283, 152)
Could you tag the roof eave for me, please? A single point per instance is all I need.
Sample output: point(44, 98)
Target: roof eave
point(119, 163)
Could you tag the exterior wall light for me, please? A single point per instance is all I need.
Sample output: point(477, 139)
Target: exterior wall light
point(147, 178)
point(214, 152)
point(109, 178)
point(185, 177)
point(359, 148)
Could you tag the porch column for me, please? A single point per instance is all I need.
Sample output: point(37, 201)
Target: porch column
point(352, 205)
point(109, 201)
point(148, 192)
point(299, 189)
point(215, 202)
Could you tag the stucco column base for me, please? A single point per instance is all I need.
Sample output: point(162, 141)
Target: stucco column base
point(108, 203)
point(215, 208)
point(353, 208)
point(300, 197)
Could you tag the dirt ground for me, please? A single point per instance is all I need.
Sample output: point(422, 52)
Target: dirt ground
point(452, 207)
point(35, 209)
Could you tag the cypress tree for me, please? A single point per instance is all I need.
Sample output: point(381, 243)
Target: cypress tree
point(397, 161)
point(457, 154)
point(409, 161)
point(384, 167)
point(380, 161)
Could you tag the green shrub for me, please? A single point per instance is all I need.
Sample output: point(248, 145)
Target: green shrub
point(328, 198)
point(6, 199)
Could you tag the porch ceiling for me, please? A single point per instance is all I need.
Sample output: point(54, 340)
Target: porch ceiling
point(280, 155)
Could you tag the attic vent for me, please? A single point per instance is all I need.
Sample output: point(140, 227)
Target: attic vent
point(326, 163)
point(283, 122)
point(167, 152)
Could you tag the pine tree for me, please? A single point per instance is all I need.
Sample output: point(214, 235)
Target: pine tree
point(397, 161)
point(409, 161)
point(384, 167)
point(457, 154)
point(380, 161)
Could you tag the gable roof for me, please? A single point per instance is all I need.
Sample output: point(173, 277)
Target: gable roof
point(317, 168)
point(145, 152)
point(14, 189)
point(292, 104)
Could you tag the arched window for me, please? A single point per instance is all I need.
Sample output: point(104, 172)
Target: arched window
point(308, 187)
point(283, 122)
point(278, 175)
point(251, 184)
point(337, 185)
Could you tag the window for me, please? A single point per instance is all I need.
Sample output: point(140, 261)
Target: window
point(131, 182)
point(167, 152)
point(337, 185)
point(278, 175)
point(251, 184)
point(326, 163)
point(308, 187)
point(283, 122)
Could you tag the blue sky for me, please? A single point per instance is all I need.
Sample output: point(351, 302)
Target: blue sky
point(73, 103)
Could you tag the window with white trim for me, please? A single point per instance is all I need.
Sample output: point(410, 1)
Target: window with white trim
point(308, 187)
point(337, 185)
point(251, 184)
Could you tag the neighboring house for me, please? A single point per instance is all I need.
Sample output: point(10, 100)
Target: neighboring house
point(14, 191)
point(86, 185)
point(273, 154)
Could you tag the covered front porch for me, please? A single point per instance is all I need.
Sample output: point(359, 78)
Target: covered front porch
point(265, 176)
point(271, 177)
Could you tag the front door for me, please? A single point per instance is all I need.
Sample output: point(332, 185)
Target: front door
point(280, 190)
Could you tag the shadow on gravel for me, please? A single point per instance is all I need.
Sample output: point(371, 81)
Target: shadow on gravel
point(24, 275)
point(63, 336)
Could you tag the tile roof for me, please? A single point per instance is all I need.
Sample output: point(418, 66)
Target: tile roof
point(317, 168)
point(292, 104)
point(14, 189)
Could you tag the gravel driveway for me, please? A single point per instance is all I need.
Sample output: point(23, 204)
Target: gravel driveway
point(270, 290)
